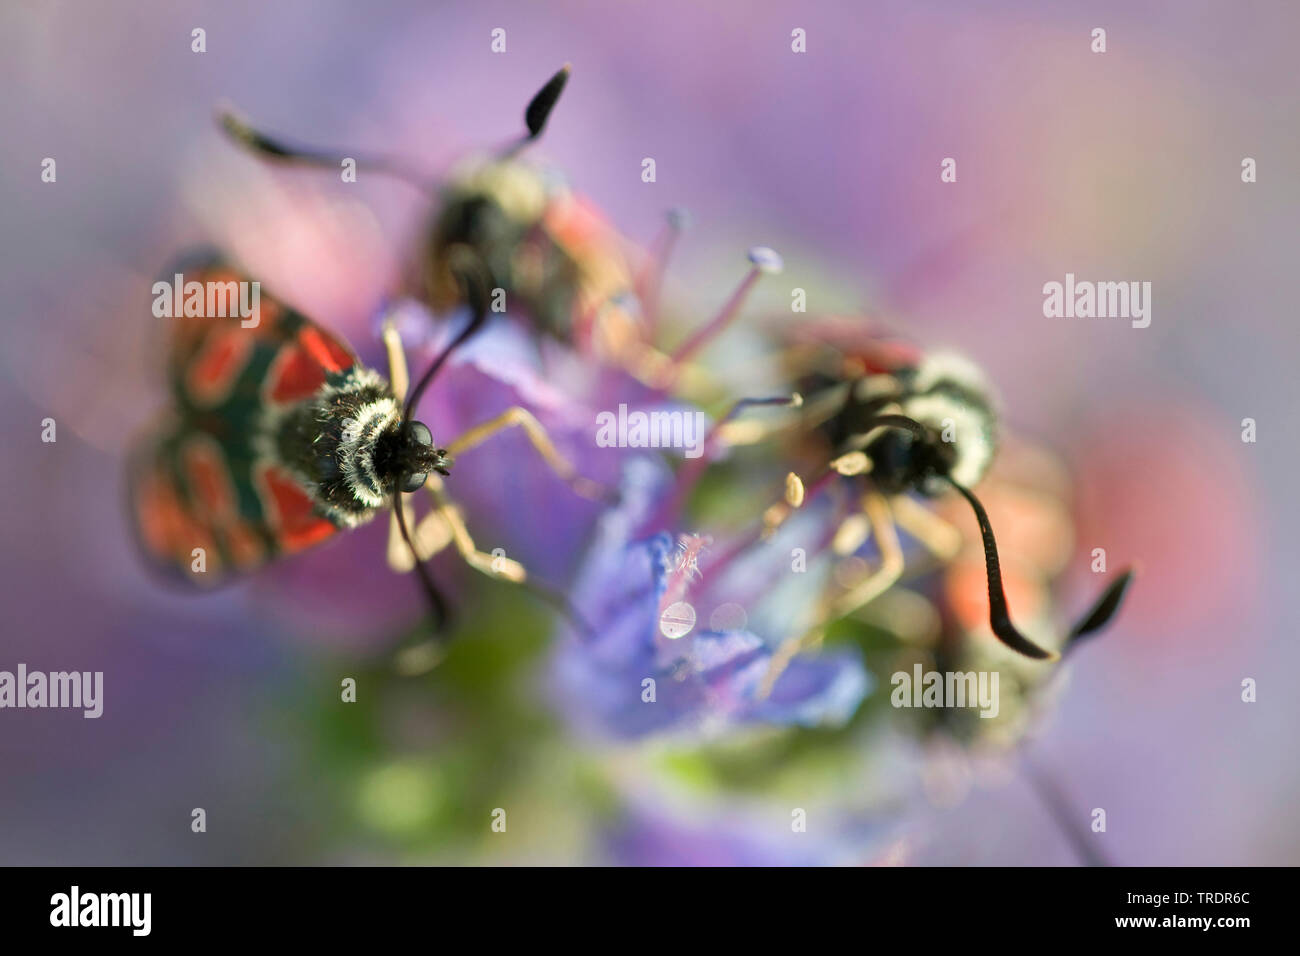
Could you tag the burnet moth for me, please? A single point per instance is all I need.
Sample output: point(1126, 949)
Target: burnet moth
point(278, 437)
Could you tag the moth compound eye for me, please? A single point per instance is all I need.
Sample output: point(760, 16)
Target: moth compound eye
point(420, 433)
point(415, 482)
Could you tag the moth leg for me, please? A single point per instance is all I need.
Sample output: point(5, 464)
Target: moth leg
point(398, 377)
point(448, 516)
point(881, 523)
point(936, 535)
point(429, 537)
point(495, 565)
point(517, 417)
point(788, 651)
point(397, 554)
point(881, 520)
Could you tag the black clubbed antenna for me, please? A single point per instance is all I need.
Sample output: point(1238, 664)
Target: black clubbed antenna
point(472, 274)
point(437, 604)
point(469, 269)
point(540, 106)
point(538, 112)
point(999, 615)
point(1103, 610)
point(272, 147)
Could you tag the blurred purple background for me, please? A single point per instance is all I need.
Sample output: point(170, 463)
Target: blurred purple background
point(1124, 165)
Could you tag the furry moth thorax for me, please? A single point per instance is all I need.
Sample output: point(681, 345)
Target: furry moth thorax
point(349, 446)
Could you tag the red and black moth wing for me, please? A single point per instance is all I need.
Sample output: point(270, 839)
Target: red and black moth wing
point(207, 477)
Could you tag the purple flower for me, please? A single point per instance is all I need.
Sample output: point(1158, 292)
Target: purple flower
point(628, 677)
